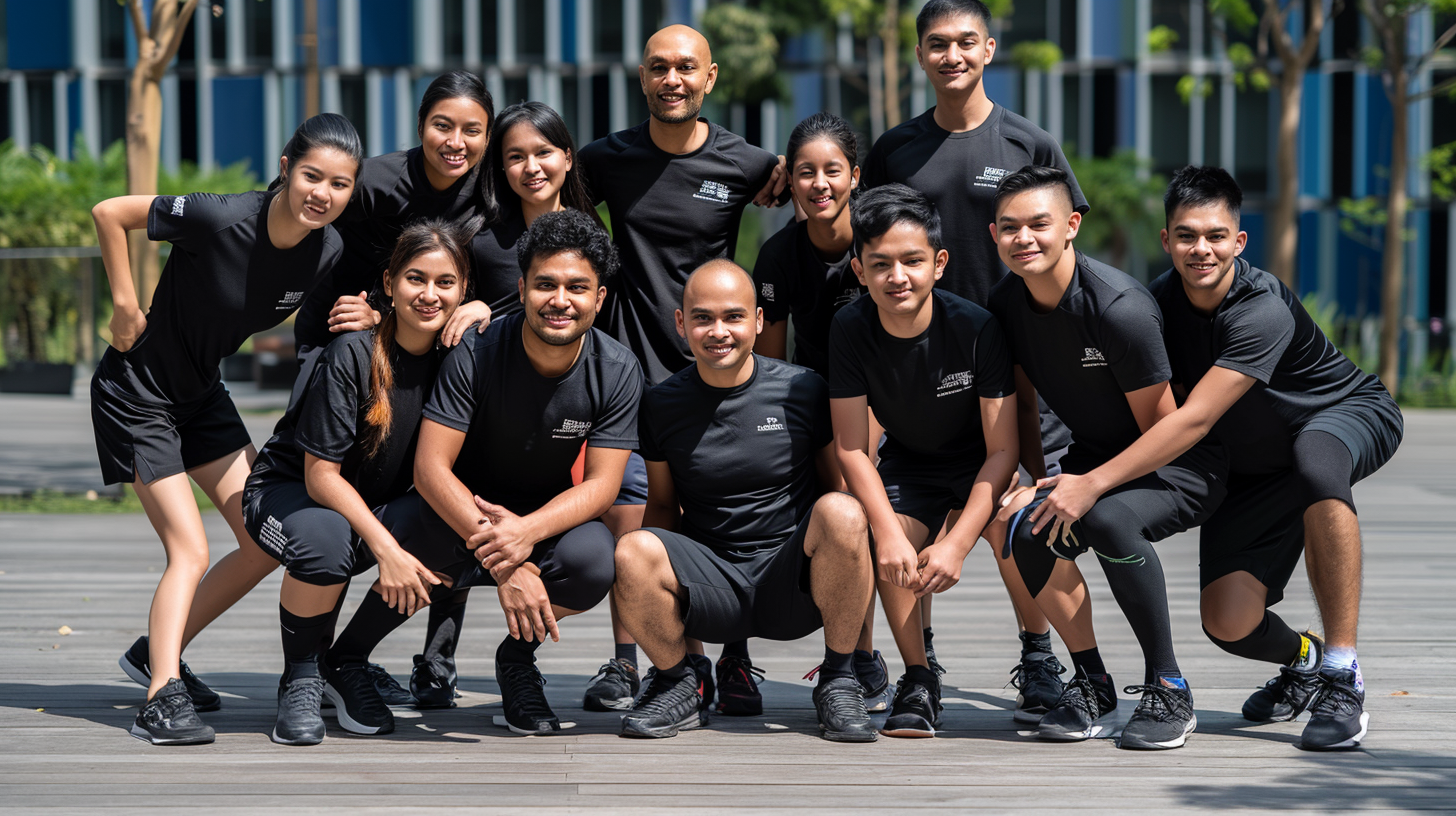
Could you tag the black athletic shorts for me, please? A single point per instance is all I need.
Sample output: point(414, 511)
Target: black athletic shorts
point(728, 597)
point(927, 492)
point(315, 544)
point(1259, 529)
point(148, 438)
point(634, 482)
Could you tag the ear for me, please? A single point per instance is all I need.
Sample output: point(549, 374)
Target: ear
point(854, 179)
point(990, 50)
point(941, 259)
point(1240, 241)
point(570, 161)
point(682, 329)
point(757, 321)
point(858, 269)
point(601, 298)
point(1074, 223)
point(388, 285)
point(919, 57)
point(712, 79)
point(642, 78)
point(1163, 234)
point(521, 288)
point(283, 167)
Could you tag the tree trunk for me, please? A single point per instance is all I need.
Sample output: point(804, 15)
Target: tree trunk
point(1284, 224)
point(143, 147)
point(1392, 263)
point(890, 40)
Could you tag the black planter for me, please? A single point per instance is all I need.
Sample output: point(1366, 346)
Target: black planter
point(25, 377)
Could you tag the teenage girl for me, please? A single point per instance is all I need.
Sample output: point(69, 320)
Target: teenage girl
point(240, 264)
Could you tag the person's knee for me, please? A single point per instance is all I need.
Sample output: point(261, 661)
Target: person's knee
point(639, 554)
point(1224, 627)
point(321, 546)
point(841, 525)
point(586, 555)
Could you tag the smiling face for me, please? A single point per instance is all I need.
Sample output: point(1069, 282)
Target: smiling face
point(720, 317)
point(319, 185)
point(900, 269)
point(454, 136)
point(425, 293)
point(535, 168)
point(562, 295)
point(1034, 229)
point(676, 73)
point(823, 180)
point(1203, 242)
point(954, 52)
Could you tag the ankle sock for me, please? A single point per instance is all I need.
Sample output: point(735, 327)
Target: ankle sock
point(738, 649)
point(681, 669)
point(1036, 647)
point(1342, 659)
point(1090, 662)
point(626, 652)
point(836, 664)
point(517, 650)
point(929, 637)
point(302, 639)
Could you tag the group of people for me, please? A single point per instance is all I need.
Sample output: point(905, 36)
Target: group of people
point(494, 391)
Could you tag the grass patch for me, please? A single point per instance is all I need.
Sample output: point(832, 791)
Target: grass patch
point(55, 501)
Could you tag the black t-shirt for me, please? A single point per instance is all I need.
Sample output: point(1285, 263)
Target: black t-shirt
point(1262, 330)
point(743, 458)
point(524, 431)
point(959, 173)
point(224, 282)
point(670, 214)
point(1101, 342)
point(926, 390)
point(495, 271)
point(793, 279)
point(330, 420)
point(392, 192)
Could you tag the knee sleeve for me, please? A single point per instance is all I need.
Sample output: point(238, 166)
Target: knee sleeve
point(1272, 641)
point(1034, 559)
point(1322, 468)
point(320, 547)
point(579, 570)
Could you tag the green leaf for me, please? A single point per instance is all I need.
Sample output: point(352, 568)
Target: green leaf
point(1037, 55)
point(1161, 39)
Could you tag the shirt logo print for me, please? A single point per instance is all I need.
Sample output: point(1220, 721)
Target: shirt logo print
point(955, 383)
point(572, 429)
point(768, 291)
point(290, 300)
point(713, 191)
point(772, 424)
point(990, 177)
point(178, 205)
point(1091, 358)
point(847, 297)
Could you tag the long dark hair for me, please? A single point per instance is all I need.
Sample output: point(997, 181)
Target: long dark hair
point(324, 130)
point(417, 239)
point(463, 85)
point(546, 120)
point(826, 126)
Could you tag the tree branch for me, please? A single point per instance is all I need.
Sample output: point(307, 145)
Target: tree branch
point(178, 29)
point(1312, 29)
point(138, 22)
point(1433, 91)
point(1435, 48)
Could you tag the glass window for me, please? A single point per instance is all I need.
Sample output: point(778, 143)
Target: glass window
point(1342, 134)
point(219, 33)
point(1174, 15)
point(111, 26)
point(1068, 34)
point(607, 22)
point(1169, 125)
point(187, 117)
point(258, 30)
point(1071, 113)
point(530, 30)
point(652, 11)
point(489, 46)
point(1104, 99)
point(111, 104)
point(1345, 34)
point(1251, 144)
point(5, 128)
point(1028, 22)
point(41, 107)
point(354, 102)
point(452, 19)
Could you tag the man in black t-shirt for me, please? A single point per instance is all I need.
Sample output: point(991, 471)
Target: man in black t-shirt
point(746, 533)
point(1302, 424)
point(1088, 338)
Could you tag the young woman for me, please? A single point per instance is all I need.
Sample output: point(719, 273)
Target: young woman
point(338, 459)
point(239, 265)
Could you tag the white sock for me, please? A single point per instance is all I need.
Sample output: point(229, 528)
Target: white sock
point(1339, 659)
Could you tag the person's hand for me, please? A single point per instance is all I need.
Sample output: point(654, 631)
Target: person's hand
point(1015, 498)
point(475, 313)
point(403, 581)
point(897, 561)
point(353, 313)
point(777, 181)
point(527, 607)
point(1071, 497)
point(940, 569)
point(127, 326)
point(504, 542)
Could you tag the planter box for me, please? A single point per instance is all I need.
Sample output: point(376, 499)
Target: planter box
point(25, 377)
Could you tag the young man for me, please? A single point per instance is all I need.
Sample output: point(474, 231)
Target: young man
point(1088, 338)
point(934, 369)
point(746, 534)
point(675, 187)
point(1302, 425)
point(507, 419)
point(955, 153)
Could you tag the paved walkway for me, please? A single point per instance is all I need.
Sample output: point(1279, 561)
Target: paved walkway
point(65, 707)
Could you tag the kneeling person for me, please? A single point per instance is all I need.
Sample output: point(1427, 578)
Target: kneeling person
point(763, 545)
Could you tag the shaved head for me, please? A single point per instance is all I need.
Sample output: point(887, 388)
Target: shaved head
point(676, 73)
point(677, 39)
point(719, 279)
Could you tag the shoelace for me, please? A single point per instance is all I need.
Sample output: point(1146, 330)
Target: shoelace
point(1334, 698)
point(664, 694)
point(843, 700)
point(612, 667)
point(1084, 695)
point(304, 696)
point(171, 706)
point(1022, 672)
point(1160, 701)
point(382, 679)
point(526, 684)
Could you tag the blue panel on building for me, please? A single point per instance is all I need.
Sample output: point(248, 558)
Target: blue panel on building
point(1107, 28)
point(1313, 137)
point(386, 109)
point(238, 121)
point(1126, 109)
point(386, 33)
point(1003, 84)
point(1359, 277)
point(568, 31)
point(328, 33)
point(1378, 136)
point(1309, 256)
point(1252, 222)
point(73, 116)
point(807, 91)
point(38, 36)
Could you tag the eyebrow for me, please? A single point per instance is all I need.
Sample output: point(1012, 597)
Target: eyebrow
point(1038, 217)
point(440, 117)
point(967, 34)
point(319, 171)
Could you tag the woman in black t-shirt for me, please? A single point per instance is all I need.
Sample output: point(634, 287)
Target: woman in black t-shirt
point(240, 264)
point(338, 463)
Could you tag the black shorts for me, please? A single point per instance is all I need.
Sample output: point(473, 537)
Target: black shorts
point(315, 544)
point(147, 438)
point(634, 482)
point(1176, 497)
point(728, 597)
point(927, 491)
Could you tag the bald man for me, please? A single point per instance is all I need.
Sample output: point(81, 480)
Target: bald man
point(746, 531)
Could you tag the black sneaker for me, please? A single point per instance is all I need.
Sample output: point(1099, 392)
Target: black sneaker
point(614, 687)
point(916, 710)
point(1163, 719)
point(1039, 686)
point(356, 701)
point(1078, 713)
point(738, 694)
point(390, 691)
point(669, 705)
point(432, 682)
point(839, 702)
point(169, 718)
point(702, 667)
point(134, 662)
point(1337, 716)
point(874, 679)
point(299, 721)
point(1287, 695)
point(523, 697)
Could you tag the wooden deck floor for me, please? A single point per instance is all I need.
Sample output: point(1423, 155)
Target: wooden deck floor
point(65, 707)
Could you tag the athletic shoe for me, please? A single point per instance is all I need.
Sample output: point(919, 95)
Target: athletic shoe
point(1039, 686)
point(1287, 696)
point(738, 694)
point(614, 688)
point(134, 662)
point(932, 662)
point(1079, 711)
point(916, 710)
point(432, 682)
point(356, 701)
point(170, 718)
point(299, 721)
point(390, 691)
point(839, 702)
point(1337, 719)
point(1163, 719)
point(702, 667)
point(668, 705)
point(523, 697)
point(874, 679)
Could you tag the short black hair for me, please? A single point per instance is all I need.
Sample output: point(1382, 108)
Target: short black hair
point(568, 231)
point(936, 10)
point(881, 208)
point(1032, 177)
point(1201, 186)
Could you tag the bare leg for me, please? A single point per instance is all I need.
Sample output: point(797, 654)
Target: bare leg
point(173, 513)
point(1332, 557)
point(647, 591)
point(902, 609)
point(1233, 606)
point(840, 572)
point(621, 519)
point(308, 600)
